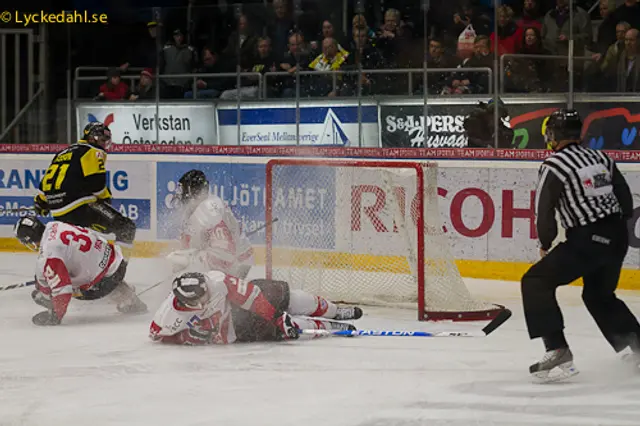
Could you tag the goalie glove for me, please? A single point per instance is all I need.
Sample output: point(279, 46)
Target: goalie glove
point(40, 206)
point(181, 259)
point(287, 328)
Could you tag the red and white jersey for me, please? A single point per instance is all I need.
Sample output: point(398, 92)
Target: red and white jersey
point(173, 321)
point(213, 230)
point(71, 258)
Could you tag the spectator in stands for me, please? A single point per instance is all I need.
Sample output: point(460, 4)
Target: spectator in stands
point(328, 31)
point(145, 90)
point(629, 63)
point(114, 89)
point(471, 14)
point(359, 23)
point(524, 75)
point(555, 38)
point(509, 34)
point(556, 30)
point(145, 52)
point(363, 57)
point(393, 37)
point(474, 82)
point(263, 62)
point(531, 16)
point(210, 87)
point(296, 58)
point(280, 27)
point(606, 33)
point(437, 58)
point(177, 58)
point(606, 66)
point(629, 12)
point(241, 45)
point(331, 59)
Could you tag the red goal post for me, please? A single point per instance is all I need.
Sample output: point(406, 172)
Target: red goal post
point(341, 232)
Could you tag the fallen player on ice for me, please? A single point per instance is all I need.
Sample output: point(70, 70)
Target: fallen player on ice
point(216, 308)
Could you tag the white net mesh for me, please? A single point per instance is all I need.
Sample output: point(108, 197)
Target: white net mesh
point(348, 231)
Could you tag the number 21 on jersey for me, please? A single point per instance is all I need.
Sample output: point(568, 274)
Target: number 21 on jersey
point(54, 177)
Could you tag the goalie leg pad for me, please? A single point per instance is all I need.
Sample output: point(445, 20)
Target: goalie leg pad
point(250, 327)
point(276, 292)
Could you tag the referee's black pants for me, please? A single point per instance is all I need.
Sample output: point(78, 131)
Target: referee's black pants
point(594, 253)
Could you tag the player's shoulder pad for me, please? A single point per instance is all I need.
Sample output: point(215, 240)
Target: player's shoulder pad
point(93, 161)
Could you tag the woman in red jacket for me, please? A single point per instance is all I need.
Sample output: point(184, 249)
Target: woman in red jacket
point(509, 34)
point(114, 89)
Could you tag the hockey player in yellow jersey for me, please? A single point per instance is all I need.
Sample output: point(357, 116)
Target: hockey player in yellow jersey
point(74, 188)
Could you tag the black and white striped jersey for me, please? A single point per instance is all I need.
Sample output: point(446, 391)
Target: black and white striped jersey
point(584, 186)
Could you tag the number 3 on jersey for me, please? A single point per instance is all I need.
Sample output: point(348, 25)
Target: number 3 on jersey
point(84, 243)
point(54, 177)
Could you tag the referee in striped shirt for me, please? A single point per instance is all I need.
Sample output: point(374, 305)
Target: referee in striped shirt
point(594, 202)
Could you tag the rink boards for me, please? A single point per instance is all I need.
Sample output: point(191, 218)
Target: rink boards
point(486, 205)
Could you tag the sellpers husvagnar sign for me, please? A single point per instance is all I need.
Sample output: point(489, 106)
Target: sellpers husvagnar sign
point(142, 124)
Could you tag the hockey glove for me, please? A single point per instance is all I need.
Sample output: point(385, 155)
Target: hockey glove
point(46, 318)
point(287, 328)
point(40, 206)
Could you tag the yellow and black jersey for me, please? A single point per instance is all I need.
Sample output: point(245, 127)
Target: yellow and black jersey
point(76, 176)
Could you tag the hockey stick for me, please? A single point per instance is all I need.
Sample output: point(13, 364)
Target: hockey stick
point(19, 210)
point(12, 286)
point(258, 229)
point(488, 329)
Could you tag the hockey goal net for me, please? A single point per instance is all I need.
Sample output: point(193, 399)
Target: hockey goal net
point(366, 232)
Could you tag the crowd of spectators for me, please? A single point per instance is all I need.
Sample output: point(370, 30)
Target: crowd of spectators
point(369, 58)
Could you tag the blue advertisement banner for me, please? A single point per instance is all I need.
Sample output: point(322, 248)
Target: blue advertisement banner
point(298, 201)
point(137, 210)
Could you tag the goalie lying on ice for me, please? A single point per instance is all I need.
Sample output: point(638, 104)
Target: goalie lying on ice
point(216, 308)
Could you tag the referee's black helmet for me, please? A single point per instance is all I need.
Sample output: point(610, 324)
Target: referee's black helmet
point(563, 125)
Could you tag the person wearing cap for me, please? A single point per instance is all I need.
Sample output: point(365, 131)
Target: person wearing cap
point(145, 89)
point(177, 58)
point(113, 89)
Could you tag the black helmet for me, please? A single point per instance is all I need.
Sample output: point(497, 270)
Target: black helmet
point(96, 133)
point(29, 232)
point(564, 124)
point(192, 185)
point(189, 288)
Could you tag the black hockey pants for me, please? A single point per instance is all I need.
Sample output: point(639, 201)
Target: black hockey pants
point(594, 253)
point(103, 218)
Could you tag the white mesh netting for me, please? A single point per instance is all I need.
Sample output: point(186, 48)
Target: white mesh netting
point(349, 232)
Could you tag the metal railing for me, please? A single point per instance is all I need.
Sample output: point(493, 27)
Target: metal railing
point(77, 78)
point(195, 77)
point(507, 56)
point(263, 79)
point(410, 72)
point(27, 109)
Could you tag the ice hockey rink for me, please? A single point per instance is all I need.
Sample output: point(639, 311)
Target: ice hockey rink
point(99, 368)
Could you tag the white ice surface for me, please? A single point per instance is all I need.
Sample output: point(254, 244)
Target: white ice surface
point(99, 368)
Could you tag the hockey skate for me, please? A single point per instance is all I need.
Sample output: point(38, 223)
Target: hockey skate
point(348, 313)
point(545, 371)
point(339, 326)
point(128, 301)
point(41, 299)
point(132, 307)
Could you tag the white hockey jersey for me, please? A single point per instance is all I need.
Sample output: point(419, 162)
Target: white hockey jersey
point(213, 231)
point(72, 258)
point(173, 321)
